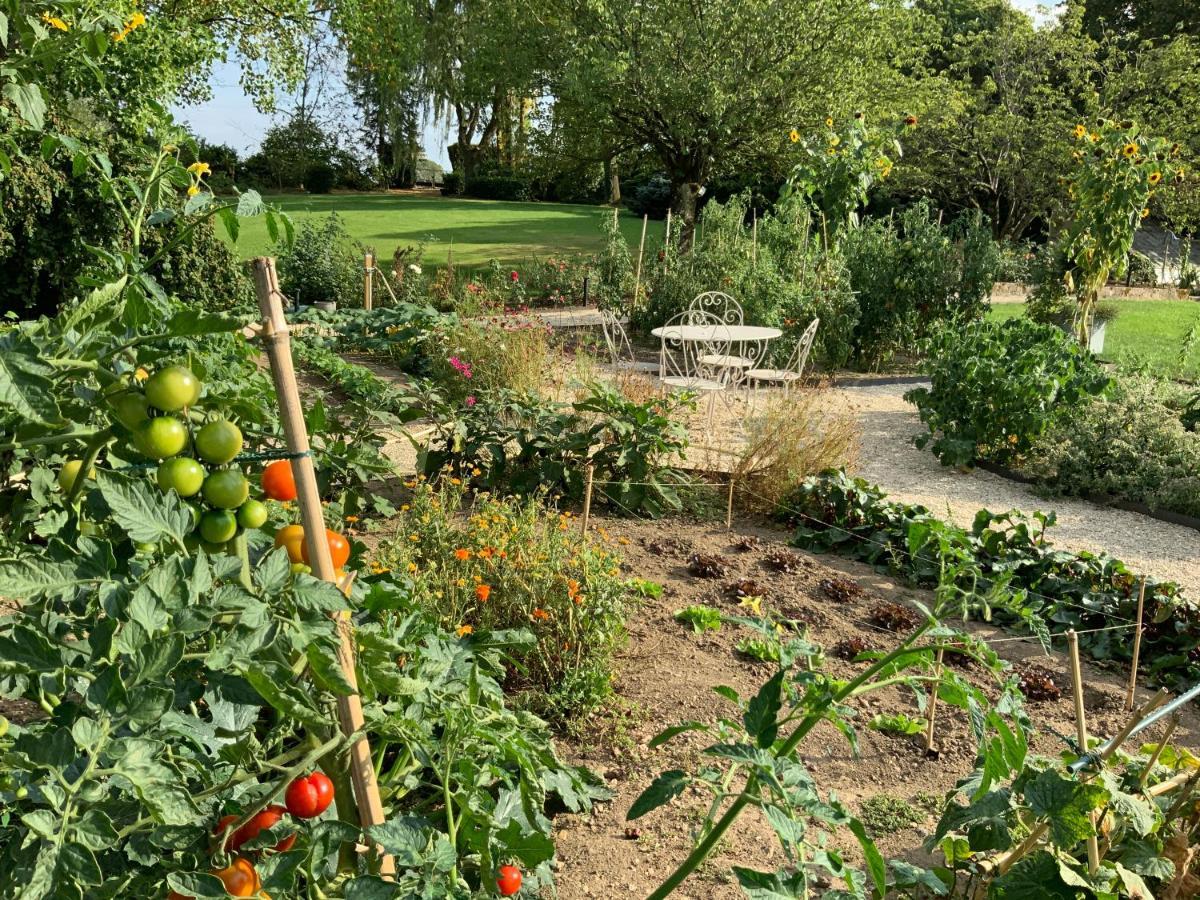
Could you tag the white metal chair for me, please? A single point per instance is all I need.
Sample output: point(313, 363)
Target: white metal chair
point(795, 366)
point(620, 348)
point(683, 358)
point(725, 309)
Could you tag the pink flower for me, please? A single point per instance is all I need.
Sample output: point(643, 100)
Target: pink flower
point(514, 277)
point(461, 367)
point(471, 400)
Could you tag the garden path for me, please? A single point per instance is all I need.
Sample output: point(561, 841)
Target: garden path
point(889, 458)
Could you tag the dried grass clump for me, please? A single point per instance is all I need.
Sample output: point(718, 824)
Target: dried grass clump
point(789, 439)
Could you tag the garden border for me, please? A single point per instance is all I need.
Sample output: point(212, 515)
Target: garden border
point(1105, 500)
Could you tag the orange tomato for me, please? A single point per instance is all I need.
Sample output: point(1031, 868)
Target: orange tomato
point(278, 482)
point(339, 549)
point(292, 537)
point(240, 878)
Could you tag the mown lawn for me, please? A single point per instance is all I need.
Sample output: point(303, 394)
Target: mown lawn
point(1151, 332)
point(478, 230)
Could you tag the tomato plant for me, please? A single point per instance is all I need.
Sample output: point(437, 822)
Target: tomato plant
point(226, 488)
point(161, 437)
point(182, 475)
point(172, 388)
point(309, 796)
point(218, 442)
point(252, 514)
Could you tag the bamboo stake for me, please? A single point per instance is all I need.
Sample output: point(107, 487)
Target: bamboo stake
point(729, 507)
point(1165, 787)
point(933, 699)
point(291, 413)
point(1137, 647)
point(1093, 846)
point(368, 281)
point(754, 238)
point(637, 278)
point(1163, 741)
point(589, 474)
point(667, 241)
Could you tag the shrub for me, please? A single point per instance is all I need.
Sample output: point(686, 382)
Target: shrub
point(651, 197)
point(323, 264)
point(452, 183)
point(1141, 270)
point(473, 358)
point(500, 563)
point(911, 274)
point(1129, 444)
point(498, 187)
point(1015, 261)
point(612, 268)
point(523, 444)
point(997, 386)
point(320, 178)
point(203, 271)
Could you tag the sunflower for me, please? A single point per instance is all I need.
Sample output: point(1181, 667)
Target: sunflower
point(1155, 177)
point(829, 121)
point(1080, 131)
point(1145, 212)
point(1130, 150)
point(793, 136)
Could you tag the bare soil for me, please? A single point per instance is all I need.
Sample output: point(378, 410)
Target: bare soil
point(666, 675)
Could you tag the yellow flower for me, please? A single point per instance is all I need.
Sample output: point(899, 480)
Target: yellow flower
point(412, 567)
point(1080, 131)
point(456, 481)
point(403, 507)
point(1093, 137)
point(192, 190)
point(1155, 177)
point(1130, 149)
point(464, 630)
point(834, 140)
point(141, 374)
point(754, 604)
point(55, 22)
point(199, 168)
point(476, 472)
point(460, 582)
point(1145, 212)
point(829, 121)
point(794, 136)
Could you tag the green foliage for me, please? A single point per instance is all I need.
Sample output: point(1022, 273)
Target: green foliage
point(787, 281)
point(320, 178)
point(1141, 270)
point(1056, 589)
point(495, 564)
point(1129, 444)
point(910, 275)
point(1015, 263)
point(528, 446)
point(701, 618)
point(612, 283)
point(498, 186)
point(323, 264)
point(997, 386)
point(202, 270)
point(884, 814)
point(651, 197)
point(897, 724)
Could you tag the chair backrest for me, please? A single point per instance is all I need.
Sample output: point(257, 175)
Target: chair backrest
point(804, 347)
point(724, 307)
point(684, 358)
point(615, 337)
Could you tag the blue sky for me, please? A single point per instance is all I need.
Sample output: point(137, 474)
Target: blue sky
point(230, 118)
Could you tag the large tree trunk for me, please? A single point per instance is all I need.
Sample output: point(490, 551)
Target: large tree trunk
point(613, 180)
point(685, 196)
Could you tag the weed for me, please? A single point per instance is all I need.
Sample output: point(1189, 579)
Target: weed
point(897, 724)
point(701, 618)
point(884, 814)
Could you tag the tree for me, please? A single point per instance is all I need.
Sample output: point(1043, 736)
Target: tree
point(1151, 19)
point(705, 84)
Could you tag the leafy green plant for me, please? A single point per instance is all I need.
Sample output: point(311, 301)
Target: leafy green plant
point(761, 649)
point(701, 618)
point(997, 386)
point(884, 814)
point(323, 264)
point(897, 723)
point(1057, 589)
point(495, 563)
point(644, 588)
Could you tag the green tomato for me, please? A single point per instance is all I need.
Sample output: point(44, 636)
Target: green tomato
point(69, 472)
point(161, 438)
point(182, 474)
point(217, 526)
point(3, 726)
point(173, 388)
point(130, 408)
point(297, 568)
point(226, 489)
point(218, 442)
point(22, 792)
point(144, 547)
point(252, 514)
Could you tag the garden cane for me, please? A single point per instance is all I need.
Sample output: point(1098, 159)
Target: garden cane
point(278, 345)
point(1093, 846)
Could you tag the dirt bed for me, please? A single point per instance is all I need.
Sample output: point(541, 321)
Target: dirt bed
point(889, 458)
point(666, 674)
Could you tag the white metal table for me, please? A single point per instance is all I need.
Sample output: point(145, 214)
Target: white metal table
point(750, 340)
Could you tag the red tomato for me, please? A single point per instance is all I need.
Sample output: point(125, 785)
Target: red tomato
point(309, 796)
point(509, 880)
point(278, 482)
point(235, 840)
point(260, 822)
point(339, 549)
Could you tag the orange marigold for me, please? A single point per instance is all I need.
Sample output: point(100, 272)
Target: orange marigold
point(464, 630)
point(482, 592)
point(462, 553)
point(540, 614)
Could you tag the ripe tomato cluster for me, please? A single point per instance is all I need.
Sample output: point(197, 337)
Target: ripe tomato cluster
point(292, 538)
point(306, 797)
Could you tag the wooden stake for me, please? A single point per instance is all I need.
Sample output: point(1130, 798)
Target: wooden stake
point(1093, 845)
point(589, 473)
point(667, 241)
point(291, 413)
point(1163, 741)
point(729, 507)
point(933, 699)
point(1137, 648)
point(369, 281)
point(637, 278)
point(754, 238)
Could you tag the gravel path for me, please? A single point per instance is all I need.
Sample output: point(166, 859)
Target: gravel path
point(889, 458)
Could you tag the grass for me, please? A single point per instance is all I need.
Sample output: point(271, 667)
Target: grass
point(478, 230)
point(1157, 334)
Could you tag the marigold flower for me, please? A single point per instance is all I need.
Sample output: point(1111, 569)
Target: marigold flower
point(464, 630)
point(482, 592)
point(462, 553)
point(540, 614)
point(486, 553)
point(412, 567)
point(351, 519)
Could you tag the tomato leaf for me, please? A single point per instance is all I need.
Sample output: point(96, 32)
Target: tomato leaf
point(875, 863)
point(665, 788)
point(404, 837)
point(144, 512)
point(25, 384)
point(771, 885)
point(323, 660)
